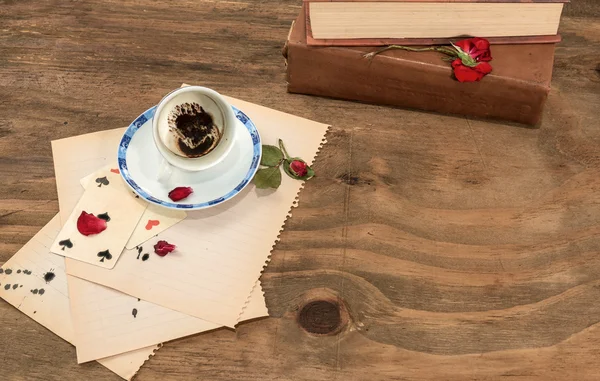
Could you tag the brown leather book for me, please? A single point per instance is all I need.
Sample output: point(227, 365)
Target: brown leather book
point(430, 22)
point(516, 90)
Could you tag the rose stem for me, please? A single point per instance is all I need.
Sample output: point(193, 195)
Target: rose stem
point(440, 49)
point(282, 148)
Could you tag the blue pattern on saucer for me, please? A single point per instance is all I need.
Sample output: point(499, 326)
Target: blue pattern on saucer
point(145, 117)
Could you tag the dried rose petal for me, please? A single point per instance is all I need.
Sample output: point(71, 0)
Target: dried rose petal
point(163, 248)
point(88, 224)
point(299, 168)
point(180, 193)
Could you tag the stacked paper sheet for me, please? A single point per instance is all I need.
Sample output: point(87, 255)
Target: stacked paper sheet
point(118, 307)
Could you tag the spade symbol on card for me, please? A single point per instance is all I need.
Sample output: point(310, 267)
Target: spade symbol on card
point(65, 243)
point(105, 255)
point(104, 216)
point(102, 181)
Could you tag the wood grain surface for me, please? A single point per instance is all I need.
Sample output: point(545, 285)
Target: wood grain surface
point(428, 247)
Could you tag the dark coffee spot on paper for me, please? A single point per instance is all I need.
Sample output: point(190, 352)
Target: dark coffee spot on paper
point(26, 272)
point(138, 299)
point(6, 286)
point(145, 257)
point(34, 291)
point(1, 270)
point(134, 312)
point(104, 216)
point(49, 276)
point(18, 271)
point(8, 271)
point(34, 312)
point(15, 286)
point(21, 286)
point(42, 291)
point(195, 129)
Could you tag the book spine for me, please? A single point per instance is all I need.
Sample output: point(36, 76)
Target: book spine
point(344, 74)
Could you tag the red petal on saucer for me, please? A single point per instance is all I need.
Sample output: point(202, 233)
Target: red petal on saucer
point(180, 193)
point(163, 248)
point(88, 224)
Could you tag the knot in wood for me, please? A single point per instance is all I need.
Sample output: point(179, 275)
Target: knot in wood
point(320, 317)
point(349, 179)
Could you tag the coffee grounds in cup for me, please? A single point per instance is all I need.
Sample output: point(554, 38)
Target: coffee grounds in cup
point(194, 128)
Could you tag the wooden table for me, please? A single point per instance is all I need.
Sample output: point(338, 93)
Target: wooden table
point(429, 247)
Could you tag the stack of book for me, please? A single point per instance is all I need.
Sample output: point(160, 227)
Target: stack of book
point(328, 40)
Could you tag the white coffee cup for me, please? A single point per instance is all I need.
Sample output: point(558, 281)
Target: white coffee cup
point(222, 115)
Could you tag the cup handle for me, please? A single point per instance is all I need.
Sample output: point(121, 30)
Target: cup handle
point(165, 170)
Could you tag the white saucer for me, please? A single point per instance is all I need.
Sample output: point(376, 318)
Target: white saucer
point(139, 161)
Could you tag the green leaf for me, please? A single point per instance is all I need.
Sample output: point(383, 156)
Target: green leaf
point(286, 168)
point(310, 173)
point(267, 178)
point(271, 156)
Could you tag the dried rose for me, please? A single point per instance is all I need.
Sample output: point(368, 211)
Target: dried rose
point(163, 248)
point(88, 224)
point(180, 193)
point(275, 157)
point(299, 168)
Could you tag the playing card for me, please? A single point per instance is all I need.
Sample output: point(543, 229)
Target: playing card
point(154, 220)
point(100, 225)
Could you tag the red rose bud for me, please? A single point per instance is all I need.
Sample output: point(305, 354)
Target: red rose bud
point(465, 73)
point(299, 168)
point(88, 224)
point(163, 248)
point(180, 193)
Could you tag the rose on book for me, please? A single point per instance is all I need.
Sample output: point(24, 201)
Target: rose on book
point(470, 57)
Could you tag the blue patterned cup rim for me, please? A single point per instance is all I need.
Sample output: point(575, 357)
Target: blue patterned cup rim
point(146, 117)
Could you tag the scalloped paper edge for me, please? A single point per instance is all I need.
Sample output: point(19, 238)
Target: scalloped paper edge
point(123, 364)
point(288, 216)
